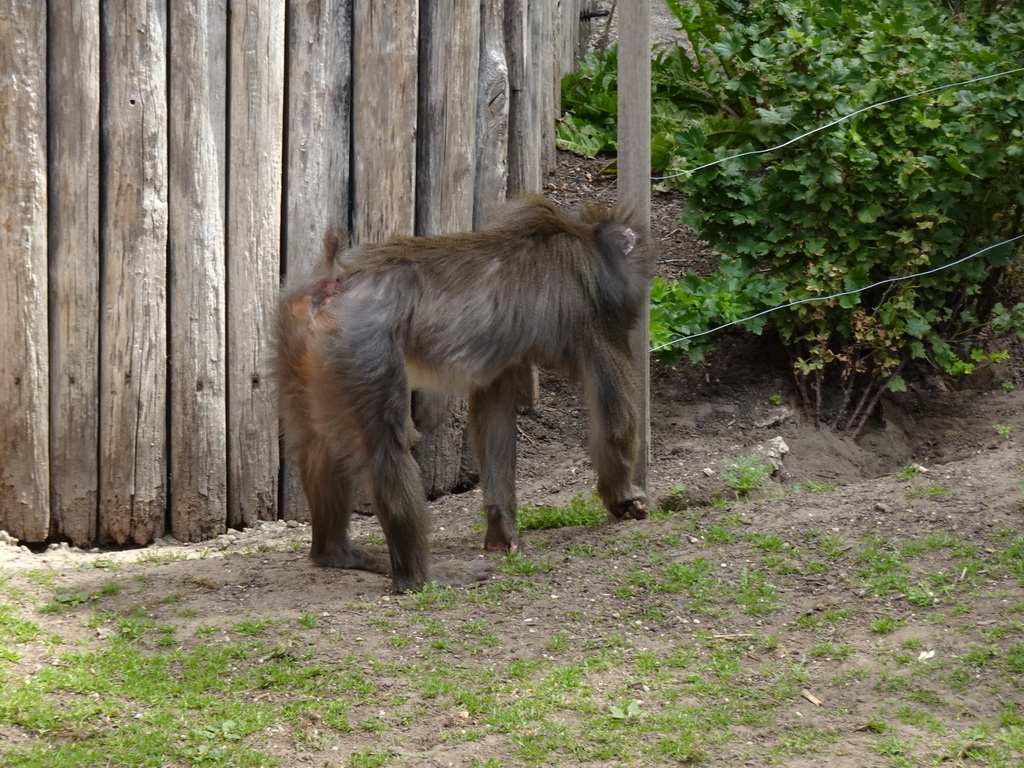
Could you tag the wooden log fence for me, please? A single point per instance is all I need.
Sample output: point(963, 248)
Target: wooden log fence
point(165, 164)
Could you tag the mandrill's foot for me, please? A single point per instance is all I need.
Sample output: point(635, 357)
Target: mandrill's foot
point(630, 509)
point(351, 557)
point(451, 573)
point(502, 534)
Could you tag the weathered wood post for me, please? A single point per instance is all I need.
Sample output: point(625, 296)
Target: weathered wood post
point(384, 87)
point(133, 333)
point(24, 462)
point(256, 104)
point(198, 333)
point(634, 176)
point(492, 112)
point(73, 85)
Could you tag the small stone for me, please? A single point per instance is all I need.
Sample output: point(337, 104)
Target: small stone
point(774, 417)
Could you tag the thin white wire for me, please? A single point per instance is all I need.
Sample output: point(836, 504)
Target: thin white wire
point(811, 133)
point(836, 295)
point(836, 122)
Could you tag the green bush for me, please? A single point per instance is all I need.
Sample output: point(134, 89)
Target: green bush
point(892, 192)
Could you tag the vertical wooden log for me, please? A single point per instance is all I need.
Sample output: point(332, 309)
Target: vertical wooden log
point(492, 112)
point(198, 450)
point(24, 462)
point(255, 128)
point(542, 26)
point(445, 175)
point(446, 140)
point(583, 30)
point(73, 85)
point(567, 35)
point(634, 176)
point(319, 104)
point(133, 402)
point(384, 84)
point(524, 150)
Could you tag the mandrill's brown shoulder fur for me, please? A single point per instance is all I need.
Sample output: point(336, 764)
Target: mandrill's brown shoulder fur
point(534, 242)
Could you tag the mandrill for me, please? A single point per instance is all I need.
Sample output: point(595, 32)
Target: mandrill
point(460, 312)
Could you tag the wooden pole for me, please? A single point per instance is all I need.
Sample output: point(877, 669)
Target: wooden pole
point(634, 163)
point(384, 95)
point(492, 113)
point(73, 83)
point(24, 465)
point(198, 365)
point(133, 334)
point(255, 159)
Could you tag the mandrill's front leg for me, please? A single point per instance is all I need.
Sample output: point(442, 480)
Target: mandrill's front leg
point(612, 392)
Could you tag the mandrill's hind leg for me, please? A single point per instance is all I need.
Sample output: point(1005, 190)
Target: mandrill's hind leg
point(492, 418)
point(378, 403)
point(329, 489)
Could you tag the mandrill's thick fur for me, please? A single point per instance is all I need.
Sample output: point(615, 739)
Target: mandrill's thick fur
point(459, 312)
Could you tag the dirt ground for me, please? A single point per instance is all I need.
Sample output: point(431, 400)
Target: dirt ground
point(736, 403)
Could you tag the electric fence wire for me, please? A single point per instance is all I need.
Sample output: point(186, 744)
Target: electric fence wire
point(811, 132)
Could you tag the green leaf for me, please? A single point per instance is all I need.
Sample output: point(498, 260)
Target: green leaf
point(917, 326)
point(954, 162)
point(897, 384)
point(870, 213)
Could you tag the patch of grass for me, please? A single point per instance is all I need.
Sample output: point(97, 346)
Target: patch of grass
point(579, 511)
point(252, 627)
point(926, 721)
point(832, 545)
point(521, 565)
point(935, 490)
point(832, 651)
point(884, 625)
point(803, 741)
point(368, 758)
point(720, 534)
point(696, 579)
point(755, 594)
point(14, 628)
point(827, 615)
point(745, 474)
point(1012, 558)
point(158, 557)
point(71, 599)
point(768, 542)
point(126, 706)
point(67, 601)
point(909, 471)
point(432, 598)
